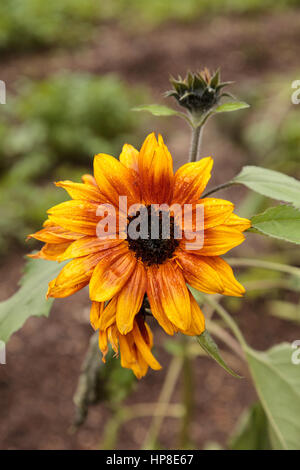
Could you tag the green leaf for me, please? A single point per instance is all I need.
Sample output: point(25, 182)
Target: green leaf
point(30, 299)
point(277, 382)
point(270, 183)
point(252, 430)
point(232, 106)
point(157, 110)
point(208, 344)
point(281, 222)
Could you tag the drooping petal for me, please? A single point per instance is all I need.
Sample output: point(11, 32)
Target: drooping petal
point(168, 286)
point(112, 273)
point(231, 285)
point(156, 171)
point(197, 319)
point(130, 299)
point(76, 216)
point(129, 157)
point(81, 191)
point(153, 293)
point(95, 314)
point(199, 274)
point(115, 179)
point(144, 348)
point(190, 180)
point(108, 317)
point(75, 274)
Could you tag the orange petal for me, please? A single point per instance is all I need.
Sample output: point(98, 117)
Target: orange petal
point(88, 245)
point(190, 180)
point(156, 171)
point(114, 180)
point(198, 321)
point(77, 216)
point(169, 286)
point(238, 223)
point(129, 157)
point(80, 191)
point(111, 273)
point(95, 314)
point(130, 299)
point(231, 285)
point(199, 274)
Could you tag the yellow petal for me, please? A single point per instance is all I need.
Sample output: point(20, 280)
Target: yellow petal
point(108, 317)
point(238, 223)
point(129, 157)
point(80, 191)
point(130, 299)
point(144, 348)
point(88, 245)
point(218, 240)
point(51, 251)
point(198, 321)
point(77, 216)
point(95, 313)
point(190, 180)
point(231, 285)
point(75, 275)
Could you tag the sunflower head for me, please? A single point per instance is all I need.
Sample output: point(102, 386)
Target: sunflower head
point(143, 264)
point(198, 92)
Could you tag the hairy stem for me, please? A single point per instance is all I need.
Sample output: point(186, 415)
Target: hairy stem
point(195, 143)
point(218, 188)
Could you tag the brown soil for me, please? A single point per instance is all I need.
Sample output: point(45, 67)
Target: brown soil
point(43, 359)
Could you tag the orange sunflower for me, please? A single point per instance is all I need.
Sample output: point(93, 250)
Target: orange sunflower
point(131, 278)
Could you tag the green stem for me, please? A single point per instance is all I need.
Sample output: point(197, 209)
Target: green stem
point(227, 319)
point(163, 402)
point(218, 188)
point(187, 396)
point(195, 143)
point(255, 263)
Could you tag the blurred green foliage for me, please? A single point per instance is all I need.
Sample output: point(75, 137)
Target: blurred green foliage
point(27, 24)
point(51, 130)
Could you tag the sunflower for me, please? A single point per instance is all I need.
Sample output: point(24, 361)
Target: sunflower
point(130, 278)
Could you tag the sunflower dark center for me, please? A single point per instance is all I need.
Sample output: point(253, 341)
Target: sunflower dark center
point(151, 235)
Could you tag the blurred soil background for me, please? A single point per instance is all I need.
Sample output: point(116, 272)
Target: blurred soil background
point(72, 76)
